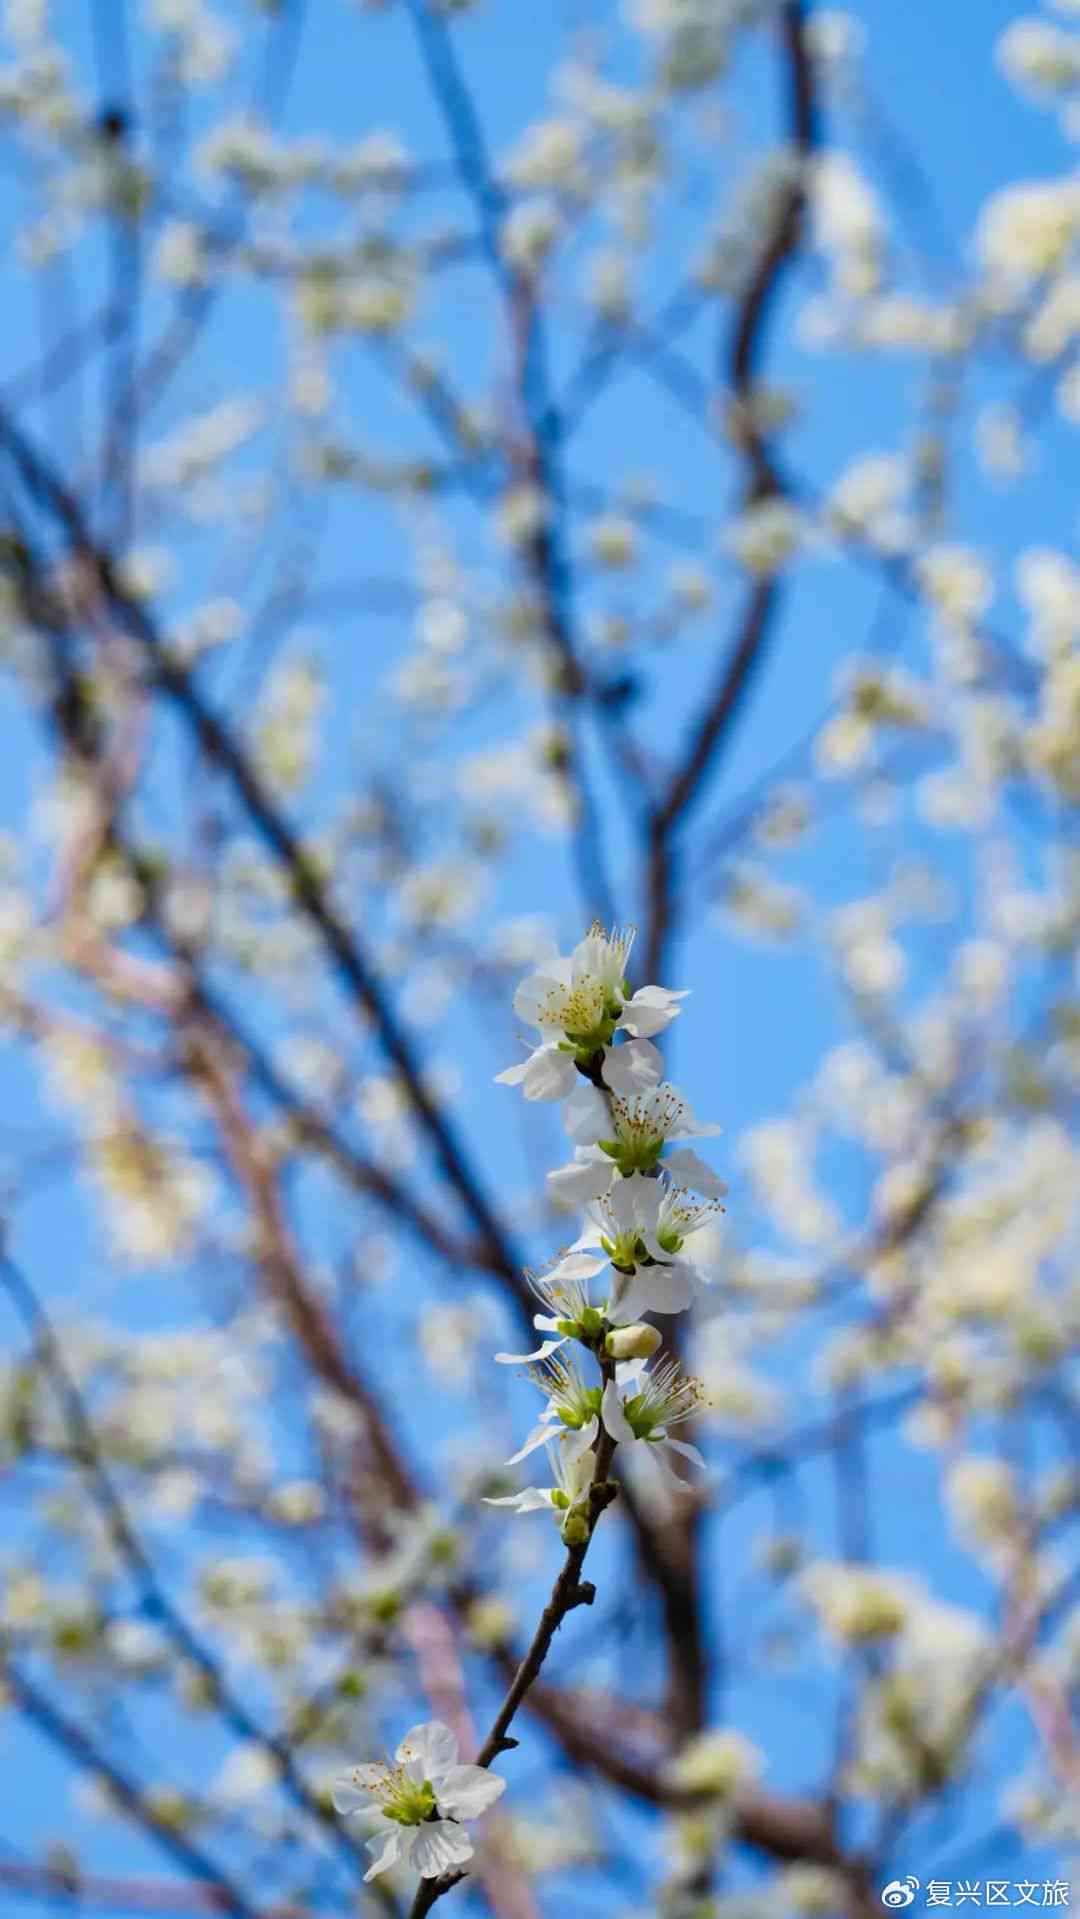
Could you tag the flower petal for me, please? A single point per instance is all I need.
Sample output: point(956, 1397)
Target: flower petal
point(633, 1067)
point(594, 957)
point(656, 1289)
point(538, 1437)
point(689, 1169)
point(529, 1501)
point(575, 1445)
point(690, 1128)
point(650, 1010)
point(530, 1359)
point(542, 992)
point(658, 1456)
point(386, 1848)
point(646, 1197)
point(614, 1418)
point(439, 1847)
point(468, 1791)
point(575, 1265)
point(549, 1073)
point(578, 1469)
point(629, 1371)
point(354, 1789)
point(590, 1235)
point(582, 1180)
point(684, 1447)
point(586, 1115)
point(432, 1747)
point(513, 1075)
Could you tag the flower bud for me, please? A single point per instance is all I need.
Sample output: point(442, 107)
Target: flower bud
point(632, 1342)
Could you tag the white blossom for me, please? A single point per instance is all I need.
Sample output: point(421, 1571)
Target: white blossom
point(571, 1462)
point(641, 1224)
point(565, 1289)
point(416, 1807)
point(640, 1406)
point(617, 1136)
point(1026, 231)
point(572, 1407)
point(578, 1004)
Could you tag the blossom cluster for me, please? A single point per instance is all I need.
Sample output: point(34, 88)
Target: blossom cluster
point(642, 1204)
point(416, 1807)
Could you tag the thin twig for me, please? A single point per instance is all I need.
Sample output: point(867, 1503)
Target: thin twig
point(741, 355)
point(568, 1592)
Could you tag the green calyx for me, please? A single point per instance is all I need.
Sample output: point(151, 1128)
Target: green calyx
point(669, 1242)
point(410, 1804)
point(579, 1416)
point(560, 1500)
point(575, 1528)
point(639, 1419)
point(593, 1039)
point(628, 1253)
point(587, 1328)
point(633, 1155)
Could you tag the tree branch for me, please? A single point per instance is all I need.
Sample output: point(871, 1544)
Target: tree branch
point(568, 1592)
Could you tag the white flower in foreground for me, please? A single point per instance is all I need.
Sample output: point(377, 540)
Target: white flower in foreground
point(572, 1409)
point(642, 1224)
point(578, 1005)
point(416, 1806)
point(643, 1406)
point(628, 1135)
point(566, 1290)
point(572, 1471)
point(636, 1231)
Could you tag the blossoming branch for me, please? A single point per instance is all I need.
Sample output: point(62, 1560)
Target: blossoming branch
point(598, 1368)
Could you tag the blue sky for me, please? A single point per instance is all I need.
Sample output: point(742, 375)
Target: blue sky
point(759, 1018)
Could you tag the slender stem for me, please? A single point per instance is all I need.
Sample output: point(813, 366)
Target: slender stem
point(568, 1592)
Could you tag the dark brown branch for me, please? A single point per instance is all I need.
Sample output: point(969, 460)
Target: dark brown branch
point(538, 459)
point(312, 1325)
point(343, 947)
point(743, 355)
point(715, 728)
point(70, 714)
point(312, 1129)
point(736, 675)
point(568, 1592)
